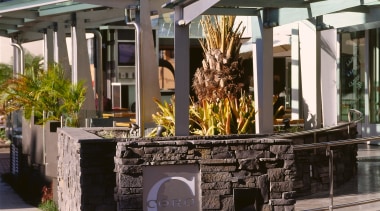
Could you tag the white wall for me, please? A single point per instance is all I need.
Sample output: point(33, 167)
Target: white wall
point(6, 50)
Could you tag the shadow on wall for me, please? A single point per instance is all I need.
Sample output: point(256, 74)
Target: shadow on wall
point(310, 120)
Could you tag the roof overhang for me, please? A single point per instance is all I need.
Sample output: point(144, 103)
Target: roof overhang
point(27, 19)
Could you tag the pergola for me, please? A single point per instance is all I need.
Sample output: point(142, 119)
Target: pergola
point(26, 20)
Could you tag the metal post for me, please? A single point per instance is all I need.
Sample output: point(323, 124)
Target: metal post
point(99, 72)
point(133, 18)
point(330, 154)
point(21, 62)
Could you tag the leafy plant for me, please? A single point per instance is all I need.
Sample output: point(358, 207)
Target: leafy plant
point(223, 117)
point(165, 119)
point(48, 205)
point(6, 72)
point(39, 91)
point(47, 202)
point(3, 134)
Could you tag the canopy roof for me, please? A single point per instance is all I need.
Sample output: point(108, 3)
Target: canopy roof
point(27, 19)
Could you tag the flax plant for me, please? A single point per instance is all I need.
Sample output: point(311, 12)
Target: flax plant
point(224, 117)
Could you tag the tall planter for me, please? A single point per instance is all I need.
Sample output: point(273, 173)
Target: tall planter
point(38, 161)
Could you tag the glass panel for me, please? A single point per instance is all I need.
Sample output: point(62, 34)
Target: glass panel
point(352, 73)
point(374, 99)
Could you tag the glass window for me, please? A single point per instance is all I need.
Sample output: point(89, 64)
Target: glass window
point(352, 73)
point(374, 76)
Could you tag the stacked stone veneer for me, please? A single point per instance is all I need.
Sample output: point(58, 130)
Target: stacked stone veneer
point(313, 165)
point(104, 174)
point(225, 164)
point(86, 180)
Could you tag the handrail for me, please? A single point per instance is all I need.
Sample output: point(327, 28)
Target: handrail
point(314, 131)
point(335, 143)
point(329, 153)
point(328, 145)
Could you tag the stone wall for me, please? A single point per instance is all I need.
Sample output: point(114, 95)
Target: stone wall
point(104, 174)
point(313, 165)
point(86, 180)
point(226, 165)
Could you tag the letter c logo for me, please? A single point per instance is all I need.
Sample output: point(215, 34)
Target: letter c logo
point(153, 192)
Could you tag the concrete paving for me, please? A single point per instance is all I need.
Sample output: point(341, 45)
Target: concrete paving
point(9, 200)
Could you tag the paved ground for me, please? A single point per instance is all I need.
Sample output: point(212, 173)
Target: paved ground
point(9, 200)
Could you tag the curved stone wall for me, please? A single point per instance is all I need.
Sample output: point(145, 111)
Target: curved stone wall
point(108, 174)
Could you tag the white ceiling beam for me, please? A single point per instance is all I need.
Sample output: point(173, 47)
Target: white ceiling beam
point(11, 21)
point(353, 20)
point(155, 5)
point(192, 11)
point(21, 14)
point(289, 15)
point(11, 7)
point(232, 11)
point(263, 3)
point(66, 9)
point(7, 26)
point(103, 15)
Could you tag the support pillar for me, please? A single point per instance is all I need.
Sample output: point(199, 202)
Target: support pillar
point(182, 74)
point(310, 76)
point(262, 55)
point(81, 67)
point(295, 76)
point(329, 76)
point(150, 88)
point(48, 47)
point(61, 54)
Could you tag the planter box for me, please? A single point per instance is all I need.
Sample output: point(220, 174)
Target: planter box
point(215, 172)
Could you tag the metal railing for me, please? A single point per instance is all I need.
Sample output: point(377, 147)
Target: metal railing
point(351, 113)
point(330, 154)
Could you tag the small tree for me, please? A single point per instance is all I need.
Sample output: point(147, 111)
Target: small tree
point(44, 90)
point(222, 73)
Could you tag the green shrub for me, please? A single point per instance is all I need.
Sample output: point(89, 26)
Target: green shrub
point(48, 205)
point(38, 91)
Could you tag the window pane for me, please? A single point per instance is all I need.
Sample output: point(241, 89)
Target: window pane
point(374, 99)
point(352, 73)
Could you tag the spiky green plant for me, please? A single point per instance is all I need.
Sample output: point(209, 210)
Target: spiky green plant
point(224, 117)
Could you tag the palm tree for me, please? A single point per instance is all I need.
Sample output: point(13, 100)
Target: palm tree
point(221, 74)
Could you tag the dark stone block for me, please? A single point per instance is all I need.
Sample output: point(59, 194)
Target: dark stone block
point(211, 202)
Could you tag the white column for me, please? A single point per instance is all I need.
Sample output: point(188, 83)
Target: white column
point(295, 75)
point(48, 47)
point(81, 66)
point(149, 66)
point(62, 56)
point(328, 77)
point(262, 55)
point(309, 74)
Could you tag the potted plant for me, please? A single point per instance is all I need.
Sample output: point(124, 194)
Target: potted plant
point(43, 96)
